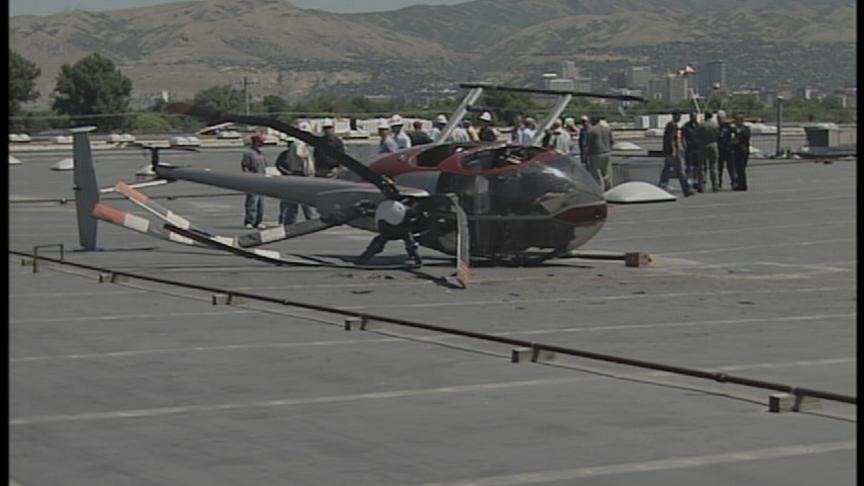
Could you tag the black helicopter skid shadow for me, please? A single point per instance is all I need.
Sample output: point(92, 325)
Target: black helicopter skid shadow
point(410, 268)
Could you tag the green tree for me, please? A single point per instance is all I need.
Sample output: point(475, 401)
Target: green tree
point(274, 104)
point(220, 99)
point(93, 86)
point(149, 123)
point(22, 81)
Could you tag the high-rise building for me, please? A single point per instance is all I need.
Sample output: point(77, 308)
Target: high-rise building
point(670, 88)
point(569, 70)
point(711, 73)
point(676, 89)
point(638, 77)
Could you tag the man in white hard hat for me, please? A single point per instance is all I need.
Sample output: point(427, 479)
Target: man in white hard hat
point(401, 138)
point(487, 133)
point(438, 125)
point(326, 166)
point(296, 160)
point(394, 220)
point(387, 143)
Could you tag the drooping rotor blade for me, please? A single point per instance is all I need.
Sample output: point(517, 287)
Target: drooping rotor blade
point(383, 183)
point(580, 94)
point(284, 232)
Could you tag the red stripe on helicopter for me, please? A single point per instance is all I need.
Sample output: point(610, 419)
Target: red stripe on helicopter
point(584, 214)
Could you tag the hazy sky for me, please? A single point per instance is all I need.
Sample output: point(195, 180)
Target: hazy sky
point(45, 7)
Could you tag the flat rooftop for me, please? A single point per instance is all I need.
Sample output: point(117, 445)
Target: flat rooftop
point(141, 383)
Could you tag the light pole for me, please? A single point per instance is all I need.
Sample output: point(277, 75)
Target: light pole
point(779, 122)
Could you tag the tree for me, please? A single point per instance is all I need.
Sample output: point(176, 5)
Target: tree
point(220, 99)
point(274, 104)
point(22, 81)
point(92, 86)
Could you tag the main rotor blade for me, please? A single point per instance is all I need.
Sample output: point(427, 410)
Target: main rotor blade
point(581, 94)
point(384, 184)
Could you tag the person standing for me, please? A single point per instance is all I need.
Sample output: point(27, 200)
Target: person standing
point(584, 129)
point(672, 151)
point(402, 140)
point(599, 145)
point(419, 136)
point(253, 161)
point(741, 152)
point(691, 149)
point(387, 144)
point(326, 166)
point(725, 145)
point(487, 133)
point(529, 129)
point(296, 160)
point(438, 126)
point(556, 138)
point(516, 133)
point(471, 130)
point(706, 137)
point(458, 134)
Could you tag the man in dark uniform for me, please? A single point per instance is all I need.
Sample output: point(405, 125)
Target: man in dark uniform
point(741, 152)
point(691, 149)
point(324, 165)
point(672, 150)
point(726, 144)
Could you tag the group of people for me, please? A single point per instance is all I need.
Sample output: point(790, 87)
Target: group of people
point(709, 146)
point(394, 138)
point(298, 159)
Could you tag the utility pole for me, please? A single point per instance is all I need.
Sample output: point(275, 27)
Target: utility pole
point(779, 122)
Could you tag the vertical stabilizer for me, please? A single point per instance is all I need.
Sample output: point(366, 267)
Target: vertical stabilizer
point(86, 188)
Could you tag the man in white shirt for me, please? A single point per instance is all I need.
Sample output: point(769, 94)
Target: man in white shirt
point(402, 139)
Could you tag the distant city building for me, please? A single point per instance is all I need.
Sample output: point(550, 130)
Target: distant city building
point(676, 89)
point(849, 98)
point(638, 77)
point(582, 84)
point(711, 73)
point(656, 88)
point(569, 70)
point(670, 88)
point(619, 80)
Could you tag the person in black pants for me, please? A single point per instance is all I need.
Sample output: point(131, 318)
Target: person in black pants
point(726, 144)
point(672, 150)
point(691, 150)
point(741, 152)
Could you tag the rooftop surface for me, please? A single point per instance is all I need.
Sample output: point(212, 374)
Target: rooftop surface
point(138, 383)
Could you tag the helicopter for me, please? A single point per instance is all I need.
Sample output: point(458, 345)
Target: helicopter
point(488, 200)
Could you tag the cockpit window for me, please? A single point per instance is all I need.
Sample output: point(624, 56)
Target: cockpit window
point(498, 158)
point(434, 156)
point(575, 171)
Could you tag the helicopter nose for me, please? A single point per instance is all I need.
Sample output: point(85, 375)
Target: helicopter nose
point(588, 213)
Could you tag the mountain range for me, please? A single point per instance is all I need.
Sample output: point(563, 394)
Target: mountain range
point(187, 46)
